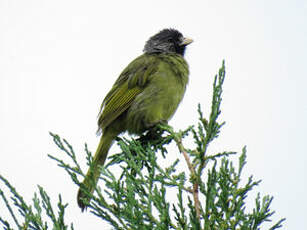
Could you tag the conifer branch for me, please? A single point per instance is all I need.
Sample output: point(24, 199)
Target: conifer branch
point(136, 189)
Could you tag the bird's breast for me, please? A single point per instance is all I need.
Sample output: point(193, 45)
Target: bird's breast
point(160, 98)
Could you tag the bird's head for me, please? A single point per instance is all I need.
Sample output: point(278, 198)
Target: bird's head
point(167, 41)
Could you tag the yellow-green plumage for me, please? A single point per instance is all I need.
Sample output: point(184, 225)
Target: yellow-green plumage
point(146, 93)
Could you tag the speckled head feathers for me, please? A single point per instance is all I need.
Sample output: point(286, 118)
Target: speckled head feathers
point(167, 41)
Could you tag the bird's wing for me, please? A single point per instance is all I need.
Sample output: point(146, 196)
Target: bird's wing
point(130, 83)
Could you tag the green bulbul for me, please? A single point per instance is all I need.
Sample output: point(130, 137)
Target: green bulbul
point(145, 94)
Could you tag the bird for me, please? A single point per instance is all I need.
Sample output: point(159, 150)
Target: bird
point(146, 93)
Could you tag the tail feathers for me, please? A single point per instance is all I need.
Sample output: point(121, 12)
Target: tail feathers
point(90, 181)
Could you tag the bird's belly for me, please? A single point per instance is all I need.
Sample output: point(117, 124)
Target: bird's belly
point(152, 106)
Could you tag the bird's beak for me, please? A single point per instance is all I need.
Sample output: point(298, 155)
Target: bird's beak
point(186, 41)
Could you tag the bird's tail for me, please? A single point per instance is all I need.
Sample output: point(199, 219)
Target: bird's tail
point(90, 181)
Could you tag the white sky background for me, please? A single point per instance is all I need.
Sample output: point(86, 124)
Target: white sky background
point(58, 59)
